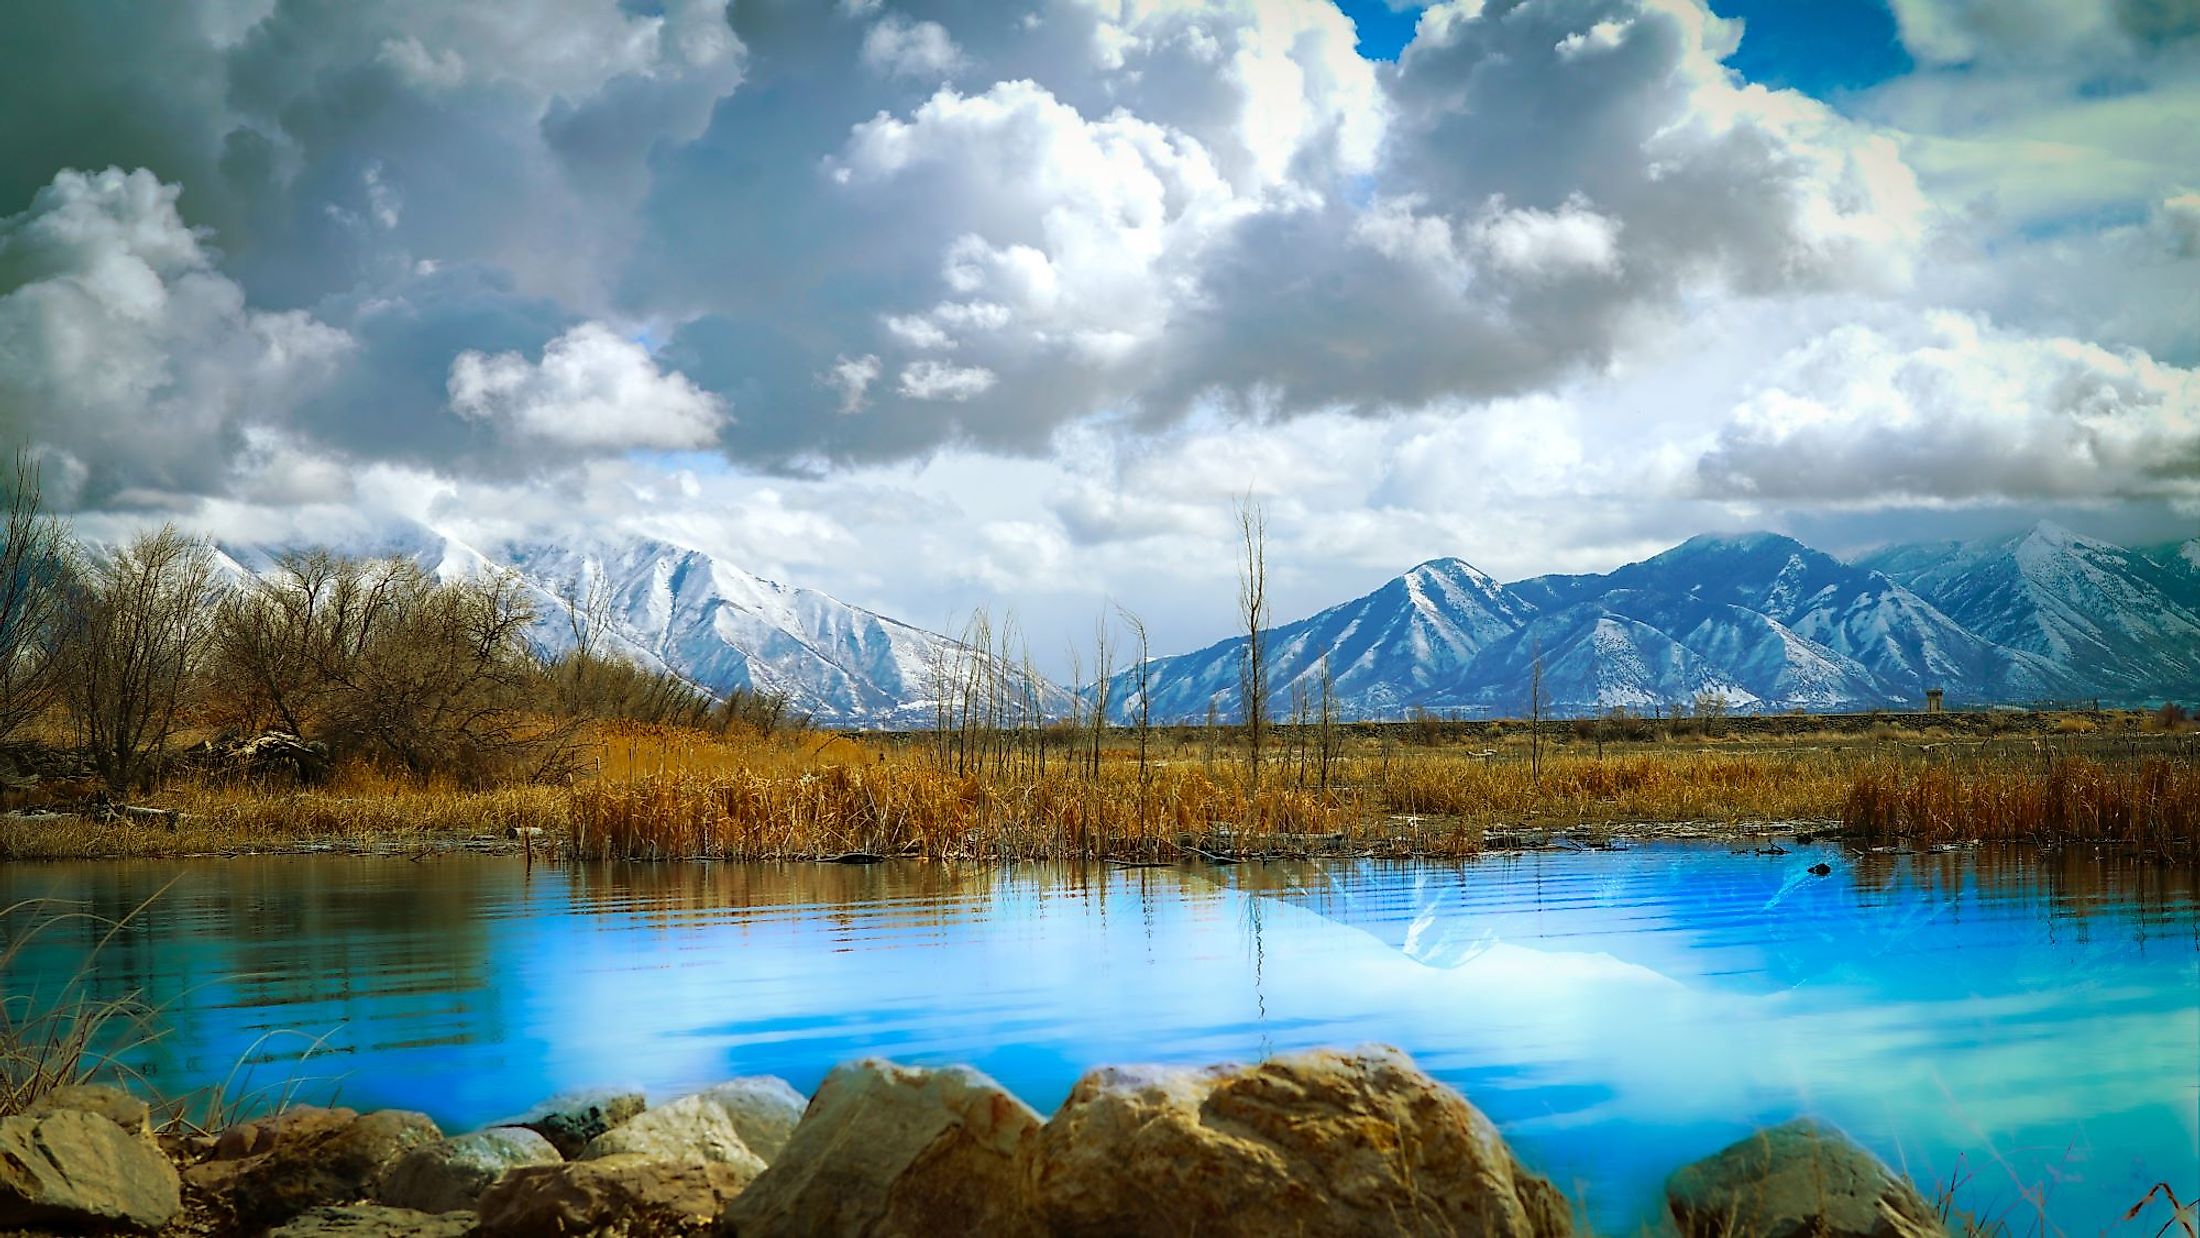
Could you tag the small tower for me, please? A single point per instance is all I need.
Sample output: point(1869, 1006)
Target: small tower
point(1933, 703)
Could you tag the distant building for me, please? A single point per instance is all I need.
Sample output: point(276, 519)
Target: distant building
point(1933, 702)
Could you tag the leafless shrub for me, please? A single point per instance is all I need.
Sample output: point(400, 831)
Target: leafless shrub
point(133, 646)
point(383, 661)
point(36, 565)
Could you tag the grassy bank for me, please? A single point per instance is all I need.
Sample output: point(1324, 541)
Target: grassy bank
point(674, 793)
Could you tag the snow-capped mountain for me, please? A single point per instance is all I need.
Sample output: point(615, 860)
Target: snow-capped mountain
point(1760, 620)
point(1388, 652)
point(1799, 629)
point(679, 609)
point(2121, 622)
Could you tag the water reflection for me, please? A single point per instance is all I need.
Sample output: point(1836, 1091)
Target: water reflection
point(1617, 1013)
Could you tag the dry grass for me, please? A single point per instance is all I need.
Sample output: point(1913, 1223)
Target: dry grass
point(64, 1036)
point(2152, 803)
point(646, 791)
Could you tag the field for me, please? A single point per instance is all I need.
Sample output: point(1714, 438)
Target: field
point(1425, 788)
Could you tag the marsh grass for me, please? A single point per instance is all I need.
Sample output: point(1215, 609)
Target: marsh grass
point(655, 791)
point(2152, 802)
point(64, 1036)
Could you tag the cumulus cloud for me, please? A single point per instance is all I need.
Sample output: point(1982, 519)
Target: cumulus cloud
point(1956, 409)
point(1966, 31)
point(900, 47)
point(1211, 238)
point(591, 390)
point(937, 380)
point(128, 356)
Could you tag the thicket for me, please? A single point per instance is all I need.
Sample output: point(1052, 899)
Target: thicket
point(377, 661)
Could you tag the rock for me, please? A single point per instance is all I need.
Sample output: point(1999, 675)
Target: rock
point(613, 1195)
point(451, 1174)
point(688, 1129)
point(374, 1221)
point(896, 1150)
point(268, 1171)
point(1820, 869)
point(1800, 1178)
point(76, 1170)
point(570, 1120)
point(764, 1110)
point(1316, 1143)
point(114, 1104)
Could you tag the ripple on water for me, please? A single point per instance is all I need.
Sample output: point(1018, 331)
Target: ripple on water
point(2028, 1020)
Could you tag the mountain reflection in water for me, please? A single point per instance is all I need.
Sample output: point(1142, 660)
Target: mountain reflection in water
point(2027, 1020)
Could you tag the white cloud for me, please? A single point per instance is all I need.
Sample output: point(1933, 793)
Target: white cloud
point(898, 47)
point(1543, 244)
point(133, 362)
point(592, 390)
point(937, 380)
point(1954, 409)
point(852, 378)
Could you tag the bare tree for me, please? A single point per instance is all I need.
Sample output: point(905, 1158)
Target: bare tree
point(1103, 673)
point(1141, 709)
point(587, 599)
point(36, 565)
point(136, 643)
point(1535, 718)
point(1253, 612)
point(1328, 721)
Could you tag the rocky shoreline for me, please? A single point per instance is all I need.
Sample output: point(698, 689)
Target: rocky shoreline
point(1316, 1143)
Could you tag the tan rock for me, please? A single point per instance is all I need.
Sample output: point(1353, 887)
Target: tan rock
point(267, 1172)
point(764, 1110)
point(1307, 1143)
point(450, 1174)
point(615, 1196)
point(891, 1150)
point(571, 1119)
point(76, 1170)
point(689, 1129)
point(374, 1221)
point(114, 1104)
point(1800, 1178)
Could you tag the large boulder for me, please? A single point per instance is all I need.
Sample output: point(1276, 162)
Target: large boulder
point(374, 1221)
point(571, 1119)
point(893, 1150)
point(1800, 1178)
point(614, 1196)
point(1314, 1143)
point(266, 1172)
point(75, 1170)
point(688, 1129)
point(764, 1110)
point(450, 1174)
point(117, 1106)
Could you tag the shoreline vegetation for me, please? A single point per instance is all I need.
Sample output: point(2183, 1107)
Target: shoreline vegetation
point(152, 706)
point(654, 791)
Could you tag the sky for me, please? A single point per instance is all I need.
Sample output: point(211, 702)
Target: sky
point(938, 305)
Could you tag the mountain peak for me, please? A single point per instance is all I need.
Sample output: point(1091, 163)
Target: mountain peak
point(1760, 539)
point(2048, 535)
point(1451, 567)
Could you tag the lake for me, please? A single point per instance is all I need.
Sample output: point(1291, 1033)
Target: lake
point(2028, 1025)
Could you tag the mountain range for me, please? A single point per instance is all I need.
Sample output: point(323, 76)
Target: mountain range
point(1759, 621)
point(678, 609)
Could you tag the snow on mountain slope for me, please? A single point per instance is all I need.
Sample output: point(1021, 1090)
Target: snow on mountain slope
point(2122, 623)
point(1903, 643)
point(1388, 650)
point(1593, 661)
point(675, 608)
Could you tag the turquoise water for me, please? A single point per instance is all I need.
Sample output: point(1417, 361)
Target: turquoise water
point(2028, 1025)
